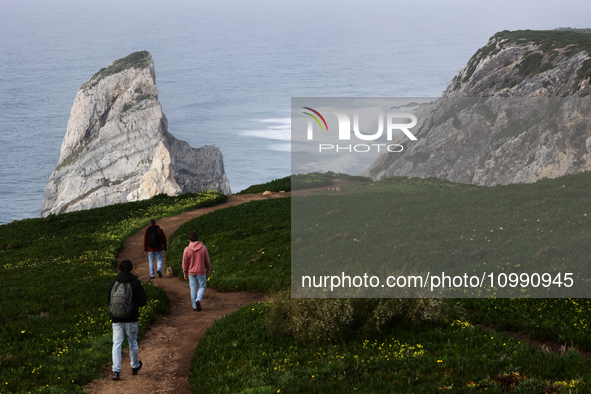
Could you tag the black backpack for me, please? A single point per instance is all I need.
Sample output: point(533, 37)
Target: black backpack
point(121, 304)
point(154, 240)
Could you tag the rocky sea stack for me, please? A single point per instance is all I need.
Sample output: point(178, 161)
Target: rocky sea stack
point(117, 147)
point(519, 111)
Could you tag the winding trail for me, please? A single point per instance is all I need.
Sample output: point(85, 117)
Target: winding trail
point(167, 348)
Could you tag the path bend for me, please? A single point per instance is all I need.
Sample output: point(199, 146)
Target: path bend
point(167, 347)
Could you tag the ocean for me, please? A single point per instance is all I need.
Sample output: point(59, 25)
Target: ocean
point(226, 70)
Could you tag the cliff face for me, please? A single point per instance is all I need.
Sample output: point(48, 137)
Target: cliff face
point(518, 111)
point(117, 147)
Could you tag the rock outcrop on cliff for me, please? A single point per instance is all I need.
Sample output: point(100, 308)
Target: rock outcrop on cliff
point(519, 111)
point(117, 147)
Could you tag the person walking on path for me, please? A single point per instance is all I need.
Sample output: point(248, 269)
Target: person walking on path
point(196, 265)
point(154, 245)
point(126, 296)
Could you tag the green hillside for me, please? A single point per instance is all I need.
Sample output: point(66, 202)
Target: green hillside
point(55, 333)
point(267, 348)
point(54, 272)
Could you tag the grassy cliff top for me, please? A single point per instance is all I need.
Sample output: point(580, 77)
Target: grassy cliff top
point(576, 30)
point(139, 60)
point(549, 45)
point(547, 40)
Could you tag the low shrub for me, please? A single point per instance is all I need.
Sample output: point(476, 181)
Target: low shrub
point(334, 320)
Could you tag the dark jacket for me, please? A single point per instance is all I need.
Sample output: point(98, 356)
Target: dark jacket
point(162, 246)
point(139, 296)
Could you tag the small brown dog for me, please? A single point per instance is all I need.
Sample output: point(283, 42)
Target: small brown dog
point(169, 272)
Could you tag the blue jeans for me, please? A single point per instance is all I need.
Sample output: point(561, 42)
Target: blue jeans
point(194, 281)
point(119, 332)
point(151, 261)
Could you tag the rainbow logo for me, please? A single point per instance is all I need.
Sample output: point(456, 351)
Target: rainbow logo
point(315, 118)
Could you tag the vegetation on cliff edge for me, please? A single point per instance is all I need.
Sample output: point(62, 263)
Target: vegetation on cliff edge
point(139, 60)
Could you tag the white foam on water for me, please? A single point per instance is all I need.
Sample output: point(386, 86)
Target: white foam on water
point(278, 129)
point(281, 147)
point(283, 135)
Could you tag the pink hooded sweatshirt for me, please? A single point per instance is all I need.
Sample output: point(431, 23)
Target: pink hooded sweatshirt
point(196, 259)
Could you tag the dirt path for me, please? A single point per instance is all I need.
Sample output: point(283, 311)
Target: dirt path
point(167, 348)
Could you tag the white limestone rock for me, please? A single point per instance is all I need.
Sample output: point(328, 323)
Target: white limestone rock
point(117, 147)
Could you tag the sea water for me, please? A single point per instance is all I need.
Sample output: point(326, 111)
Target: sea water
point(226, 70)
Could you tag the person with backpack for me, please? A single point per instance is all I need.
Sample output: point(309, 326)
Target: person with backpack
point(154, 244)
point(196, 264)
point(126, 296)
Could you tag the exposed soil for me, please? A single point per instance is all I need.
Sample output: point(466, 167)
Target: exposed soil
point(167, 348)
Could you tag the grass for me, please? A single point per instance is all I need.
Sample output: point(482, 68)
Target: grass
point(301, 181)
point(421, 225)
point(564, 321)
point(276, 185)
point(248, 245)
point(317, 179)
point(238, 355)
point(447, 224)
point(546, 40)
point(55, 334)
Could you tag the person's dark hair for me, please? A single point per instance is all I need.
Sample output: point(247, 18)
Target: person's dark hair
point(193, 237)
point(125, 265)
point(152, 222)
